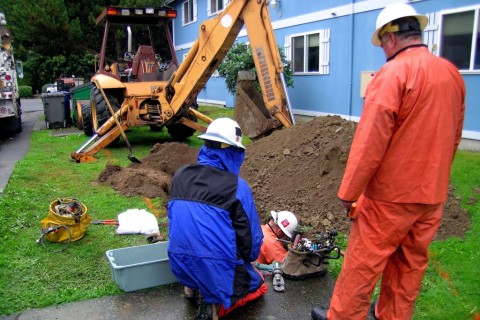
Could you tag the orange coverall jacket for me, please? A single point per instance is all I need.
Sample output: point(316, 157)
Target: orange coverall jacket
point(408, 133)
point(271, 249)
point(400, 163)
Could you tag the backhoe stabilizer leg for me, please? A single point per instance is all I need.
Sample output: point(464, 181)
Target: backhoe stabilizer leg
point(192, 124)
point(86, 155)
point(200, 116)
point(82, 158)
point(86, 144)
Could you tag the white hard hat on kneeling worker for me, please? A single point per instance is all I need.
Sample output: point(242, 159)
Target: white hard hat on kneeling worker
point(286, 221)
point(224, 130)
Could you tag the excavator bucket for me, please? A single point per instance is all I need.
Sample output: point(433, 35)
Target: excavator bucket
point(250, 112)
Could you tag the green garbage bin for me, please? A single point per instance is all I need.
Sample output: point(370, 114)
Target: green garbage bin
point(80, 94)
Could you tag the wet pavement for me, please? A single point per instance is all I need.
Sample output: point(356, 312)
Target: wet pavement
point(168, 303)
point(14, 147)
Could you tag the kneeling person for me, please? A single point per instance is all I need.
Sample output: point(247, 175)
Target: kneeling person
point(281, 226)
point(215, 231)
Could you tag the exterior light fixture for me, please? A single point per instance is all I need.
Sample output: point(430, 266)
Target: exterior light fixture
point(275, 4)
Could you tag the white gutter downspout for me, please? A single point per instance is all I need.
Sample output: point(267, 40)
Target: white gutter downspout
point(350, 89)
point(129, 44)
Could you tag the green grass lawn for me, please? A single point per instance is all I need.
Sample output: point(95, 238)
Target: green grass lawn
point(33, 277)
point(450, 286)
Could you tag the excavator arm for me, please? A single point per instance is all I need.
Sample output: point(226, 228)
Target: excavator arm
point(216, 37)
point(174, 99)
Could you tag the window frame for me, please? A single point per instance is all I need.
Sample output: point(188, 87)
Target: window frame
point(194, 12)
point(323, 52)
point(210, 11)
point(475, 31)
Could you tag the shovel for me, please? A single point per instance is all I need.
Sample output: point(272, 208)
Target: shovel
point(131, 157)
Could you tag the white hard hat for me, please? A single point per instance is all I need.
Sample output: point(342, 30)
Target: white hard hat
point(224, 130)
point(395, 11)
point(286, 221)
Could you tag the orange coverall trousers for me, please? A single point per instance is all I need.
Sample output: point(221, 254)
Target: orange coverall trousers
point(389, 240)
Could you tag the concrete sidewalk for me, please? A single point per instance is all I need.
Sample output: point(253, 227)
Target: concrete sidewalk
point(168, 303)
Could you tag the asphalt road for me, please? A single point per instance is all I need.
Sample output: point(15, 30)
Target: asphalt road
point(15, 147)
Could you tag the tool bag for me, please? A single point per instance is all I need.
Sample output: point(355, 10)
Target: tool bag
point(69, 213)
point(306, 264)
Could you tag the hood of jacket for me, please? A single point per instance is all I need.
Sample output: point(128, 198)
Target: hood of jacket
point(229, 159)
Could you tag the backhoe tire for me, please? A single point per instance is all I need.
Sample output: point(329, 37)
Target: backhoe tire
point(102, 110)
point(156, 128)
point(180, 132)
point(87, 119)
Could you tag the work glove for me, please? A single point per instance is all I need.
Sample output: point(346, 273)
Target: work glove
point(349, 207)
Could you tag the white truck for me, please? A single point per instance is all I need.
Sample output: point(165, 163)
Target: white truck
point(10, 71)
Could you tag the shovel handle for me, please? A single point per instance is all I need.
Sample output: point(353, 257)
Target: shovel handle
point(113, 222)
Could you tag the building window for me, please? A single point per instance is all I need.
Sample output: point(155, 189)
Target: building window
point(309, 53)
point(460, 39)
point(215, 6)
point(189, 10)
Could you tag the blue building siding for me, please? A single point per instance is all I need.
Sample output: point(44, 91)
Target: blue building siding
point(350, 54)
point(214, 93)
point(472, 113)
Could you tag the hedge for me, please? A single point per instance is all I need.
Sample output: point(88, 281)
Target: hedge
point(25, 91)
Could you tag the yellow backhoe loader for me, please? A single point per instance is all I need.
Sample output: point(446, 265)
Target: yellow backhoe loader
point(172, 103)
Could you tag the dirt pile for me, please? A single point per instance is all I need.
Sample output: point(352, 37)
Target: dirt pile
point(153, 177)
point(297, 169)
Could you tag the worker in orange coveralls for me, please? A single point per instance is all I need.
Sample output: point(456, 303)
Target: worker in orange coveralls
point(397, 172)
point(282, 225)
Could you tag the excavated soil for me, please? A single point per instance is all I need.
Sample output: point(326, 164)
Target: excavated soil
point(297, 169)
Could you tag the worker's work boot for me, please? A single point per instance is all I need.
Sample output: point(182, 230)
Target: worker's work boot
point(207, 311)
point(155, 237)
point(189, 293)
point(319, 313)
point(215, 308)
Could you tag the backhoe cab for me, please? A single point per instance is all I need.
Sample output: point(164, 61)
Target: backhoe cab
point(125, 71)
point(172, 103)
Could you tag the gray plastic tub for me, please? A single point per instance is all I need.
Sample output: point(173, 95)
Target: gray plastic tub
point(141, 267)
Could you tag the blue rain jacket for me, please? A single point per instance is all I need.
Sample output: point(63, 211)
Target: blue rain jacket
point(214, 228)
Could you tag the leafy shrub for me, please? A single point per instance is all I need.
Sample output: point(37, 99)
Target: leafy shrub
point(25, 91)
point(239, 58)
